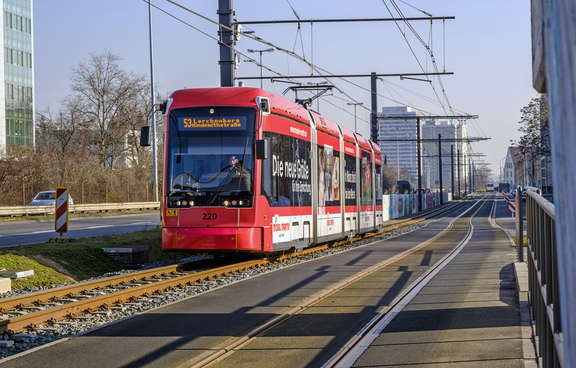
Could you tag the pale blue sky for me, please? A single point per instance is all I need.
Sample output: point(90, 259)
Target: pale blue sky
point(487, 46)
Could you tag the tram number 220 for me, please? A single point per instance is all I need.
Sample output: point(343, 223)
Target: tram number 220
point(209, 216)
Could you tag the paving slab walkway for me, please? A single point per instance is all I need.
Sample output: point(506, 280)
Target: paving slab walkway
point(467, 316)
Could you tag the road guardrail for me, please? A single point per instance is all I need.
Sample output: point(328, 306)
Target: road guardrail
point(17, 211)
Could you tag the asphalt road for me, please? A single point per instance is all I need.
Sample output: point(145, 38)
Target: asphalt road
point(16, 233)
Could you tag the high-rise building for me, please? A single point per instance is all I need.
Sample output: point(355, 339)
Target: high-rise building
point(17, 73)
point(431, 161)
point(401, 154)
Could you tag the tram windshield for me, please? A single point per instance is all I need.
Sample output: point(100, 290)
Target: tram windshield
point(210, 154)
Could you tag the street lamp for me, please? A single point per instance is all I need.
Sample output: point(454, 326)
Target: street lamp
point(355, 104)
point(152, 104)
point(260, 51)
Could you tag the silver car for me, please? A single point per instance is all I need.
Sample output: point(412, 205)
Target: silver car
point(46, 198)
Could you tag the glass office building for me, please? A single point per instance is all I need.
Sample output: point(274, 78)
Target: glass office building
point(17, 92)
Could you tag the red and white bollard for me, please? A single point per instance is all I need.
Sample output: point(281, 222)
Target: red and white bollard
point(61, 210)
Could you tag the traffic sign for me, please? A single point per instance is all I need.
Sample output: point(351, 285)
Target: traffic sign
point(61, 210)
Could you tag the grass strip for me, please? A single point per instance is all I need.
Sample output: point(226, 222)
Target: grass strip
point(55, 262)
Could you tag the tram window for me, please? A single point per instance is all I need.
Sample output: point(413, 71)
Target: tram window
point(350, 180)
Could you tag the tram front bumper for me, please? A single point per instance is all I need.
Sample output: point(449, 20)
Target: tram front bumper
point(214, 238)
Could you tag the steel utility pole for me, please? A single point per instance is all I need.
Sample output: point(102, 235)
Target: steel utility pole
point(464, 174)
point(458, 157)
point(418, 143)
point(470, 173)
point(225, 18)
point(452, 168)
point(374, 109)
point(153, 102)
point(440, 168)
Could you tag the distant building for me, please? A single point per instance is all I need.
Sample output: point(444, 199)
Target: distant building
point(515, 170)
point(404, 154)
point(17, 73)
point(401, 153)
point(431, 176)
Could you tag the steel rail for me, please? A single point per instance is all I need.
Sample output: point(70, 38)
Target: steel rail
point(44, 296)
point(32, 319)
point(220, 353)
point(40, 297)
point(26, 321)
point(373, 328)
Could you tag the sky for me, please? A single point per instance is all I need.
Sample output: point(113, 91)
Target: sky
point(487, 47)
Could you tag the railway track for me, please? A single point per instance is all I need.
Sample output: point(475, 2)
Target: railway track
point(352, 350)
point(29, 311)
point(224, 355)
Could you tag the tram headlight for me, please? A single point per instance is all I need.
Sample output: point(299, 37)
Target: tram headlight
point(191, 203)
point(184, 203)
point(226, 203)
point(241, 203)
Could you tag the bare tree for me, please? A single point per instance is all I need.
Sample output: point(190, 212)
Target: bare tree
point(5, 170)
point(105, 91)
point(62, 137)
point(90, 144)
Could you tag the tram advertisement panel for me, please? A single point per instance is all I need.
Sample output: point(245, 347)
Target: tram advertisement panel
point(378, 185)
point(328, 176)
point(350, 180)
point(286, 173)
point(366, 178)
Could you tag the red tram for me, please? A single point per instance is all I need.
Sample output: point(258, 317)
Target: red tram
point(248, 170)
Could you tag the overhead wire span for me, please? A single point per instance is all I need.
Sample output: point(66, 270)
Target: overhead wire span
point(430, 52)
point(239, 52)
point(412, 49)
point(213, 38)
point(279, 48)
point(293, 54)
point(412, 6)
point(343, 109)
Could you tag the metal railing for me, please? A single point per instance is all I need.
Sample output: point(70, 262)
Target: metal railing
point(543, 278)
point(77, 208)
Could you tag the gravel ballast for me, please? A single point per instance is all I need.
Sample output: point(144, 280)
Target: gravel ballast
point(44, 334)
